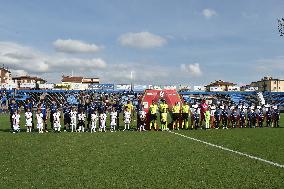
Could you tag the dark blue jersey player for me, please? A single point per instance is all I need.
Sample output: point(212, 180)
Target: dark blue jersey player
point(13, 107)
point(53, 109)
point(66, 114)
point(43, 109)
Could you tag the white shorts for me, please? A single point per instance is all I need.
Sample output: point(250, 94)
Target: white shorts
point(57, 125)
point(113, 123)
point(103, 123)
point(73, 121)
point(40, 125)
point(29, 123)
point(16, 127)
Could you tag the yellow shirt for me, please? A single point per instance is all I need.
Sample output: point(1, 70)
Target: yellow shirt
point(176, 109)
point(129, 106)
point(153, 109)
point(185, 109)
point(207, 116)
point(163, 108)
point(164, 117)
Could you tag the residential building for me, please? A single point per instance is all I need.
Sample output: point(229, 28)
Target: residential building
point(5, 76)
point(78, 82)
point(269, 84)
point(219, 86)
point(24, 82)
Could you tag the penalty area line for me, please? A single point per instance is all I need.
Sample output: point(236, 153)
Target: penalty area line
point(229, 150)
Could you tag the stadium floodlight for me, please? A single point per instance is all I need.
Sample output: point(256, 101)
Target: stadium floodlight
point(281, 26)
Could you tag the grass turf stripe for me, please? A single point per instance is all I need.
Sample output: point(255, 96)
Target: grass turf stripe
point(230, 150)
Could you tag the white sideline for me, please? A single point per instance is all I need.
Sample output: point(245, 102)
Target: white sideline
point(227, 149)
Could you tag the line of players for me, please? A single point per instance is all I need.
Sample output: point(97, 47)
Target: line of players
point(79, 118)
point(214, 116)
point(244, 116)
point(93, 118)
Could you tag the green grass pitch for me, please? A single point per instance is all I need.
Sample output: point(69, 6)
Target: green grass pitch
point(141, 160)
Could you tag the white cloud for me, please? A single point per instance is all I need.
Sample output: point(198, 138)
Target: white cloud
point(23, 60)
point(75, 46)
point(142, 40)
point(209, 13)
point(142, 73)
point(77, 63)
point(192, 69)
point(20, 57)
point(18, 72)
point(26, 60)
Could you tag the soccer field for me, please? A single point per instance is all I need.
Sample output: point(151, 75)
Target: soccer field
point(142, 160)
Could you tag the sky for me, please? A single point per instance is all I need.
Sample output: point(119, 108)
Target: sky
point(190, 42)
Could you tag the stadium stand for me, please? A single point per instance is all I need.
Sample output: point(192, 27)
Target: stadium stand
point(274, 98)
point(76, 96)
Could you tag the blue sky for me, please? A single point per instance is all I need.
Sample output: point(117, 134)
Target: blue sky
point(161, 41)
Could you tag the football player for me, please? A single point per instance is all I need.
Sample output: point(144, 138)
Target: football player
point(16, 121)
point(127, 119)
point(94, 120)
point(185, 110)
point(67, 117)
point(40, 121)
point(81, 121)
point(176, 115)
point(275, 116)
point(103, 117)
point(113, 120)
point(73, 116)
point(29, 120)
point(142, 122)
point(153, 115)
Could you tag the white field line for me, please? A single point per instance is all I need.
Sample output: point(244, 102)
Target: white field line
point(227, 149)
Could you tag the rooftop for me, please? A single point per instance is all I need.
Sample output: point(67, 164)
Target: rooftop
point(73, 79)
point(5, 69)
point(220, 82)
point(28, 77)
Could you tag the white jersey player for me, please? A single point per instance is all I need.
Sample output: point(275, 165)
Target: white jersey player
point(29, 120)
point(103, 117)
point(113, 120)
point(142, 116)
point(81, 121)
point(94, 120)
point(39, 119)
point(16, 122)
point(212, 111)
point(73, 116)
point(56, 121)
point(127, 119)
